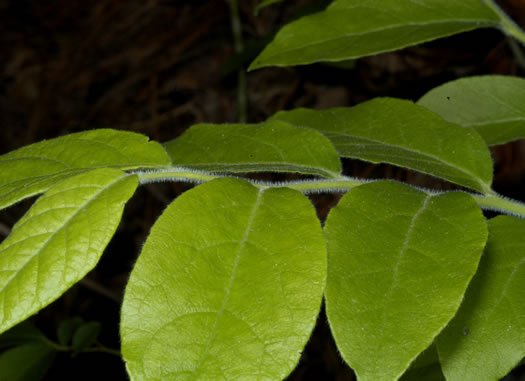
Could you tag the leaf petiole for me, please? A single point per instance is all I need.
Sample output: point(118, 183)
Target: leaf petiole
point(488, 201)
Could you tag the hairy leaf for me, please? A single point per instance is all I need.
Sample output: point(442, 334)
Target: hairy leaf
point(493, 105)
point(228, 286)
point(59, 240)
point(33, 169)
point(486, 339)
point(357, 28)
point(399, 261)
point(270, 146)
point(398, 132)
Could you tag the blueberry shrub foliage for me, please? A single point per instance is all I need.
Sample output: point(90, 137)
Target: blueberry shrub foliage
point(417, 283)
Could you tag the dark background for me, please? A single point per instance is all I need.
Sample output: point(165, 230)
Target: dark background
point(159, 66)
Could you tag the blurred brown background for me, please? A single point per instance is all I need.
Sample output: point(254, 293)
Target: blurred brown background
point(159, 66)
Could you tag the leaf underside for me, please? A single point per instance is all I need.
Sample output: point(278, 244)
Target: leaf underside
point(356, 28)
point(486, 339)
point(232, 293)
point(398, 132)
point(425, 367)
point(59, 240)
point(269, 146)
point(399, 261)
point(490, 104)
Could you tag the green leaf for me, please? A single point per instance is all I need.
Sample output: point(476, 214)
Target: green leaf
point(493, 105)
point(34, 169)
point(357, 28)
point(270, 146)
point(399, 261)
point(228, 286)
point(486, 339)
point(22, 333)
point(425, 367)
point(85, 336)
point(59, 240)
point(264, 3)
point(389, 130)
point(29, 362)
point(67, 329)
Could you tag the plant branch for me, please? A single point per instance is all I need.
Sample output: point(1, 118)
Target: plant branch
point(489, 201)
point(238, 45)
point(174, 174)
point(501, 204)
point(508, 25)
point(99, 289)
point(518, 53)
point(102, 349)
point(4, 229)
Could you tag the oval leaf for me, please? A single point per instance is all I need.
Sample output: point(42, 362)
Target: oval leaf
point(67, 329)
point(270, 146)
point(357, 28)
point(389, 130)
point(486, 339)
point(399, 261)
point(85, 336)
point(425, 367)
point(29, 362)
point(34, 169)
point(59, 240)
point(22, 333)
point(228, 286)
point(491, 104)
point(264, 3)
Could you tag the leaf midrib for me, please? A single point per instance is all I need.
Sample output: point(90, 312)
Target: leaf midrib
point(383, 29)
point(283, 165)
point(494, 121)
point(242, 243)
point(47, 241)
point(329, 134)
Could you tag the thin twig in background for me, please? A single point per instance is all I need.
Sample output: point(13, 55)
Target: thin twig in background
point(238, 45)
point(101, 290)
point(517, 51)
point(4, 230)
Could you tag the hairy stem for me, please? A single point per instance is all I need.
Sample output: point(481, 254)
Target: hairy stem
point(501, 204)
point(508, 25)
point(489, 201)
